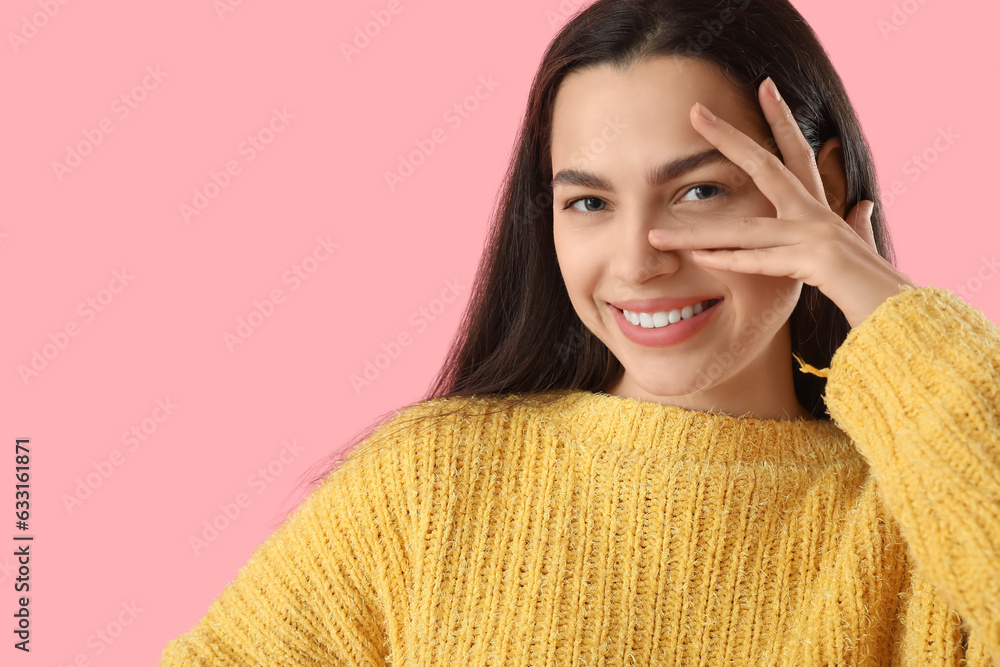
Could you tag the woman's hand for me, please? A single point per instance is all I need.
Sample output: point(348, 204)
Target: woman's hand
point(807, 240)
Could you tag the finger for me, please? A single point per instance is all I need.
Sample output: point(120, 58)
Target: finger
point(774, 261)
point(730, 232)
point(773, 179)
point(860, 220)
point(796, 151)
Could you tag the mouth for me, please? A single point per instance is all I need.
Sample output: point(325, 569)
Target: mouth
point(668, 317)
point(664, 328)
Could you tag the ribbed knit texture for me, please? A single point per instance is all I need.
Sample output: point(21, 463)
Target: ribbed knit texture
point(601, 530)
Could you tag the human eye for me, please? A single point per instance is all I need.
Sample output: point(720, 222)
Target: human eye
point(572, 204)
point(704, 186)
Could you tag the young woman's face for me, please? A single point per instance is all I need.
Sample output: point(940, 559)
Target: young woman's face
point(612, 130)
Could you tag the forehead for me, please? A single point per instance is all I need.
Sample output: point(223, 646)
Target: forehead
point(651, 100)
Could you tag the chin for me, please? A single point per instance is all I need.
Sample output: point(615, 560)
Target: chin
point(664, 385)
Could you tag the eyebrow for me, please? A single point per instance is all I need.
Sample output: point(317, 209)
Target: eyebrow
point(654, 177)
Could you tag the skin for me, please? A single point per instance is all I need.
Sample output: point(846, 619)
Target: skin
point(752, 230)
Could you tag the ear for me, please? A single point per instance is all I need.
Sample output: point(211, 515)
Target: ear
point(830, 162)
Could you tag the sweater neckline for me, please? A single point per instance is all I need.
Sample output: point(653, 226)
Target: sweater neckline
point(602, 420)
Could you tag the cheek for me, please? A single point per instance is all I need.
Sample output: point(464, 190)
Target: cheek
point(576, 275)
point(571, 252)
point(579, 266)
point(769, 299)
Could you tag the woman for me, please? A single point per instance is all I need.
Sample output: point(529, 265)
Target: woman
point(618, 463)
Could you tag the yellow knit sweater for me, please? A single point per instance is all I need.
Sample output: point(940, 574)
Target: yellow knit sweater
point(601, 530)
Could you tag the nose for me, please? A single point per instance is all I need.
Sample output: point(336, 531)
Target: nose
point(634, 259)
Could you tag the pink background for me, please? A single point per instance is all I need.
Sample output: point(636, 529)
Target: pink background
point(160, 334)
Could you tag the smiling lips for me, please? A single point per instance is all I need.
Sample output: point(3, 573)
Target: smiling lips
point(661, 305)
point(664, 317)
point(659, 328)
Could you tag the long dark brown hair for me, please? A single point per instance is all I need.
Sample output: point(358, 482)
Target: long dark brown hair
point(519, 336)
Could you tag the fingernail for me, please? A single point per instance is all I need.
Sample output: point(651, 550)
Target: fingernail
point(773, 89)
point(705, 113)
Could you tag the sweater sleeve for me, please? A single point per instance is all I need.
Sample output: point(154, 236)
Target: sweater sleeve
point(917, 388)
point(309, 595)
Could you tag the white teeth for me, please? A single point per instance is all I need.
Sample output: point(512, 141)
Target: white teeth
point(664, 318)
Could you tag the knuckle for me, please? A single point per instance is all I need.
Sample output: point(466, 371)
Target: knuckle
point(762, 156)
point(807, 154)
point(779, 166)
point(748, 166)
